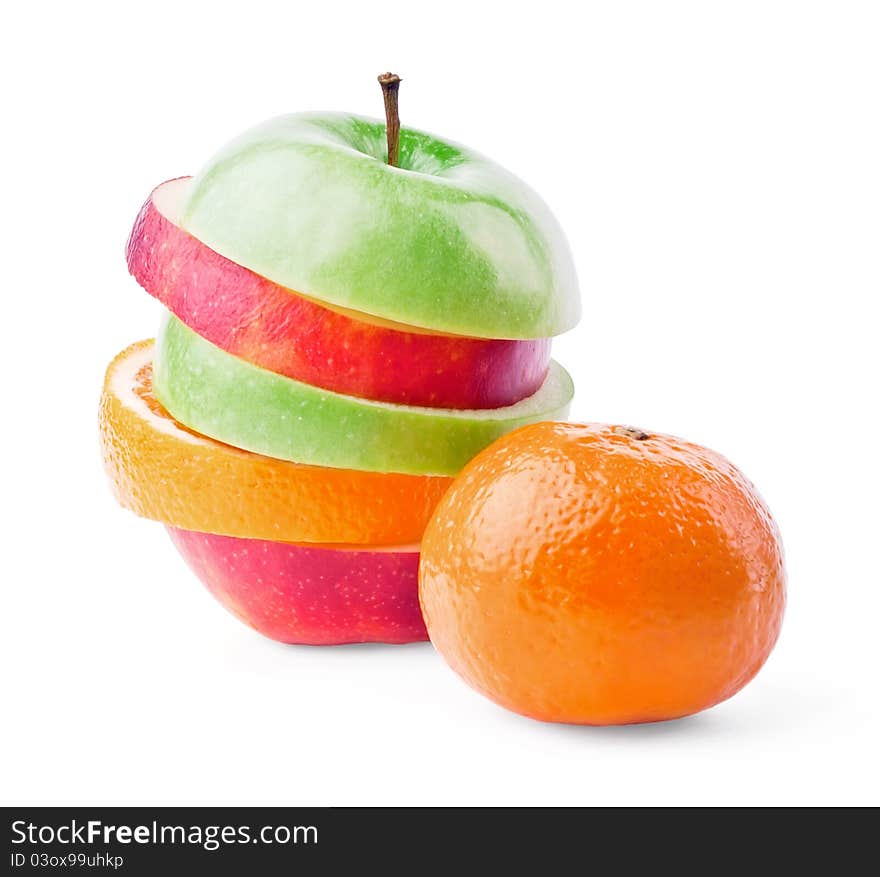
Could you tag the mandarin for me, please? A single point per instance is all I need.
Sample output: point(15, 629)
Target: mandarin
point(599, 574)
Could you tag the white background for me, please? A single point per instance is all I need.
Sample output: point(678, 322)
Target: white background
point(716, 168)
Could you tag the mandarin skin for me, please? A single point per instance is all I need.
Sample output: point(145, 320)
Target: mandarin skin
point(310, 594)
point(447, 241)
point(593, 574)
point(233, 401)
point(346, 352)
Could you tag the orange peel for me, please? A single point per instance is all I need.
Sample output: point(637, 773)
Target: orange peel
point(161, 470)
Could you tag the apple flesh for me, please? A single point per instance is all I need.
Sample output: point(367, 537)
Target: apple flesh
point(161, 470)
point(448, 241)
point(308, 594)
point(276, 329)
point(231, 400)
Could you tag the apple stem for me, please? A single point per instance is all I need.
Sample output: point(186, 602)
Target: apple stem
point(390, 83)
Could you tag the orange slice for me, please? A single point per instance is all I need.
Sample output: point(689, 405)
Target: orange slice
point(161, 470)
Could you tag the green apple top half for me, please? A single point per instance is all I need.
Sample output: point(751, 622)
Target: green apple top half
point(445, 240)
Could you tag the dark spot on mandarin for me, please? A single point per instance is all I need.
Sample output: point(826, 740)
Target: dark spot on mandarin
point(632, 432)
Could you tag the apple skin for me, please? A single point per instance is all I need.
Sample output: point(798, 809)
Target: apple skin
point(233, 401)
point(448, 241)
point(161, 470)
point(276, 329)
point(307, 594)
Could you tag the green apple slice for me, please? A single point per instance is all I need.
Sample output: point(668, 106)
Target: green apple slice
point(448, 241)
point(231, 400)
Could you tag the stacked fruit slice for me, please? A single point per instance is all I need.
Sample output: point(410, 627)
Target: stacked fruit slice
point(341, 337)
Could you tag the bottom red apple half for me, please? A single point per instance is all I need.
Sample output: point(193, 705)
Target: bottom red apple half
point(309, 594)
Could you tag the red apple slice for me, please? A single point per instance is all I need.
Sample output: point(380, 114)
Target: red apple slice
point(310, 594)
point(343, 351)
